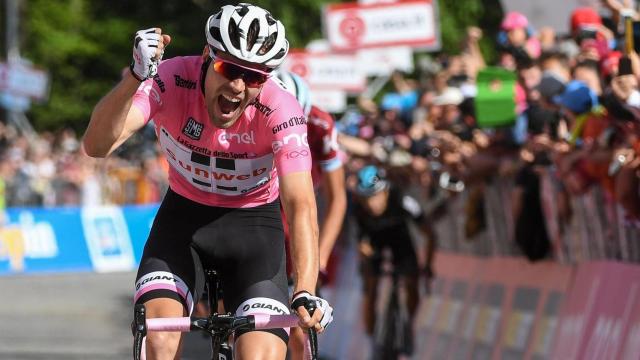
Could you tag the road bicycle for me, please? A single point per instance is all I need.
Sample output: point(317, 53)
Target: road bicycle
point(393, 336)
point(219, 326)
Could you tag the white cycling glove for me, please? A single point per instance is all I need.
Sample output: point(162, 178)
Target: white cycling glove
point(304, 298)
point(145, 63)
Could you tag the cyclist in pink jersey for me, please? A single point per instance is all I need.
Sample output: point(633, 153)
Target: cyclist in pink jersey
point(237, 145)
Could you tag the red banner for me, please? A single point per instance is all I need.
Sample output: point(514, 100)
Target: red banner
point(508, 308)
point(491, 308)
point(601, 317)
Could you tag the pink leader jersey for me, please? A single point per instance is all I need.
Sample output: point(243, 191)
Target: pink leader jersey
point(234, 167)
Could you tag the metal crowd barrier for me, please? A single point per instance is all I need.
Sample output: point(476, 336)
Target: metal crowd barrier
point(596, 230)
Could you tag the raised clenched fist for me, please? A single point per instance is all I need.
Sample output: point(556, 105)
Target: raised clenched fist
point(148, 48)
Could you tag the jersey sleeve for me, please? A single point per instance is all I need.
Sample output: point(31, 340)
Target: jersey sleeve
point(151, 95)
point(322, 125)
point(289, 142)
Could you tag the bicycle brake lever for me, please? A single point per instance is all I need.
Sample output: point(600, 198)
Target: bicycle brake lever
point(139, 329)
point(313, 335)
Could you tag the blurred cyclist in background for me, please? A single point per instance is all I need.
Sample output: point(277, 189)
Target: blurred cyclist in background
point(327, 170)
point(237, 146)
point(382, 212)
point(328, 178)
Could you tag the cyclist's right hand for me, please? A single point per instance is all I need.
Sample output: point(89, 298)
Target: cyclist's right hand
point(148, 48)
point(321, 318)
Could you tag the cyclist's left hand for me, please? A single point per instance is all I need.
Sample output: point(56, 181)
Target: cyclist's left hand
point(322, 317)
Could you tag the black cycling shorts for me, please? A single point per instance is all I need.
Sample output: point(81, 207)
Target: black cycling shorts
point(244, 245)
point(403, 257)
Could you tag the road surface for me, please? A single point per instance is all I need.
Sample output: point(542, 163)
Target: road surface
point(71, 317)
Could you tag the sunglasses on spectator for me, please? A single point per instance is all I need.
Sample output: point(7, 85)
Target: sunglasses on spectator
point(231, 71)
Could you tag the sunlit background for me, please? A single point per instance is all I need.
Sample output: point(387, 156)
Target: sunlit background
point(515, 123)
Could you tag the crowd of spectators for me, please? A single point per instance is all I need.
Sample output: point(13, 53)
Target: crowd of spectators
point(51, 169)
point(577, 122)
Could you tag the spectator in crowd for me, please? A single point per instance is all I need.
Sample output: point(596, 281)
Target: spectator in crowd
point(575, 133)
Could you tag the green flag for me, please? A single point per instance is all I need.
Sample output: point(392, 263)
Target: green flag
point(495, 102)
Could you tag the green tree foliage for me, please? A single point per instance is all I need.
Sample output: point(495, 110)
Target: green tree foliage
point(456, 16)
point(85, 44)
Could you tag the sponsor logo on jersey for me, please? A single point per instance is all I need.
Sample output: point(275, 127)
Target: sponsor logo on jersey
point(227, 173)
point(232, 155)
point(242, 138)
point(198, 167)
point(159, 81)
point(193, 129)
point(294, 154)
point(320, 123)
point(296, 120)
point(297, 139)
point(196, 148)
point(262, 107)
point(184, 83)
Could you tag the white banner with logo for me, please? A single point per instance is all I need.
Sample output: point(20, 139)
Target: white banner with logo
point(333, 101)
point(353, 26)
point(23, 80)
point(383, 61)
point(327, 71)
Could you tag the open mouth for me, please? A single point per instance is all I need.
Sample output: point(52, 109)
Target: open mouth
point(228, 104)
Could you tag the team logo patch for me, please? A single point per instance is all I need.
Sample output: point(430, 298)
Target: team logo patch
point(193, 129)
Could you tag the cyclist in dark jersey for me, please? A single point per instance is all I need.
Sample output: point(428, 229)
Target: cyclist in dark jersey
point(382, 212)
point(237, 147)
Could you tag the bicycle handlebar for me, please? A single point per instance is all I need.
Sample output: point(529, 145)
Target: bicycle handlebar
point(219, 322)
point(257, 321)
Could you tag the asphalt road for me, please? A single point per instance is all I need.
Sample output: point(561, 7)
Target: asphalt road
point(71, 317)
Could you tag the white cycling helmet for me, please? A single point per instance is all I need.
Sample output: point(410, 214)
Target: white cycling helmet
point(249, 33)
point(296, 87)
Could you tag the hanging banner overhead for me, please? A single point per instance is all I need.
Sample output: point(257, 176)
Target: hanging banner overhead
point(354, 26)
point(383, 61)
point(24, 80)
point(333, 101)
point(327, 71)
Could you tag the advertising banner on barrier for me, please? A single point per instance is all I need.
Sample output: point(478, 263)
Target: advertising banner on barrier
point(600, 319)
point(488, 307)
point(61, 239)
point(354, 26)
point(327, 71)
point(476, 308)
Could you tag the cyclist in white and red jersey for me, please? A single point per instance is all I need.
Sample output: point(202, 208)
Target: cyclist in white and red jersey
point(328, 178)
point(237, 145)
point(327, 160)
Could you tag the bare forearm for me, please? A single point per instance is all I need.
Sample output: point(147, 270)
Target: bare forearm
point(106, 130)
point(332, 224)
point(304, 247)
point(329, 232)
